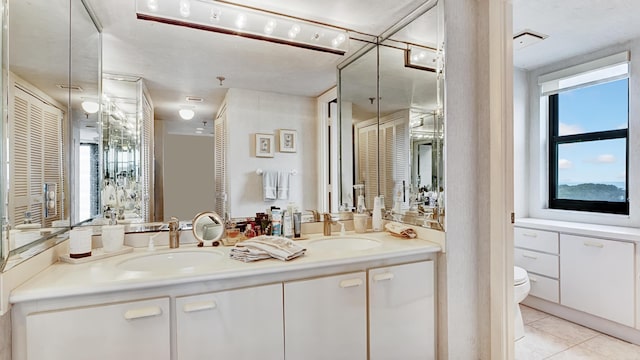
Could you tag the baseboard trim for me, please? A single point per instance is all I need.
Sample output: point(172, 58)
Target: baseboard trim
point(581, 318)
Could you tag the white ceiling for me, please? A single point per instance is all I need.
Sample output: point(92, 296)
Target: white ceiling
point(177, 62)
point(574, 27)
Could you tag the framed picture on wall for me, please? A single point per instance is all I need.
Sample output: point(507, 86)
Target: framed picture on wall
point(264, 145)
point(288, 140)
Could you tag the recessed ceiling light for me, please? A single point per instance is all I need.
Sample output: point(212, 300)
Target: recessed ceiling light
point(199, 129)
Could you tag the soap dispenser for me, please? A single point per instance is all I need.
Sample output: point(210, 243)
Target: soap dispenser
point(378, 202)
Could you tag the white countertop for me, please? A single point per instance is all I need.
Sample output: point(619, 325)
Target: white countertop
point(103, 276)
point(604, 231)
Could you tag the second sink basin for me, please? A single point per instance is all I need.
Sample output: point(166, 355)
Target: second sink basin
point(172, 262)
point(346, 243)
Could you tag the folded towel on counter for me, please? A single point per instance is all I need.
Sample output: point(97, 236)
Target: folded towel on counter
point(398, 229)
point(270, 185)
point(283, 185)
point(266, 247)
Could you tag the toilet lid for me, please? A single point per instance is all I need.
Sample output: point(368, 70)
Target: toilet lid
point(519, 276)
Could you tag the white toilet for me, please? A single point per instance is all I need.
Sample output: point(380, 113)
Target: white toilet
point(521, 290)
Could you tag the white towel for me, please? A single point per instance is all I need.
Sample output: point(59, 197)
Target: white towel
point(270, 185)
point(283, 185)
point(266, 247)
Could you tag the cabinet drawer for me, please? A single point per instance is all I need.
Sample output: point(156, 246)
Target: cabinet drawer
point(539, 240)
point(544, 288)
point(539, 263)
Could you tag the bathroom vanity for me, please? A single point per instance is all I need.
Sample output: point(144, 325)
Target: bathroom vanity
point(349, 297)
point(584, 273)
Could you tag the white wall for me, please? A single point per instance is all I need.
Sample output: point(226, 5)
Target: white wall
point(473, 293)
point(250, 112)
point(188, 176)
point(521, 142)
point(537, 130)
point(5, 338)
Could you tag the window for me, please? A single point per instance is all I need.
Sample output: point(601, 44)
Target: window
point(588, 147)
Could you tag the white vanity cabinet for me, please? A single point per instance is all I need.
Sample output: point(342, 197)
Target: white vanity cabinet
point(537, 252)
point(236, 324)
point(326, 318)
point(401, 312)
point(130, 330)
point(598, 277)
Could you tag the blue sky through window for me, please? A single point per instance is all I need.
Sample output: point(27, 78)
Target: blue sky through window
point(589, 109)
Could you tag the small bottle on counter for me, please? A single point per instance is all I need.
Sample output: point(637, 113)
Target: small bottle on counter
point(249, 232)
point(287, 224)
point(276, 222)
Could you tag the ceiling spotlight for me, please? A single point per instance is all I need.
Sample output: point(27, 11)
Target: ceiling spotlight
point(241, 21)
point(227, 18)
point(185, 8)
point(220, 79)
point(153, 5)
point(187, 114)
point(270, 26)
point(90, 107)
point(294, 31)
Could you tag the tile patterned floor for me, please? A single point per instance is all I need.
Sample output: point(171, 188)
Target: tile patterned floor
point(548, 337)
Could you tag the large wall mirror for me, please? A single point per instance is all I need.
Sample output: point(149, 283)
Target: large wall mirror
point(391, 106)
point(53, 71)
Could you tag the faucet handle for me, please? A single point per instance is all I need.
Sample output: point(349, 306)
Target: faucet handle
point(174, 223)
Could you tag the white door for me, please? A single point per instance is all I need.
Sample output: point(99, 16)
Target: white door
point(401, 312)
point(326, 318)
point(133, 330)
point(236, 324)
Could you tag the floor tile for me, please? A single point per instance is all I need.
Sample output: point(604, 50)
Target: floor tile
point(537, 345)
point(568, 331)
point(530, 315)
point(577, 353)
point(612, 348)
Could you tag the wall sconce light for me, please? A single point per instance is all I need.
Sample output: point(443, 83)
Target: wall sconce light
point(247, 22)
point(90, 107)
point(423, 58)
point(186, 113)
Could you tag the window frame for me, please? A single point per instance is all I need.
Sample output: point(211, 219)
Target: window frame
point(555, 140)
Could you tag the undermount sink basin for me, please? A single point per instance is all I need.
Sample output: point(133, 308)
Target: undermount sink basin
point(344, 243)
point(173, 262)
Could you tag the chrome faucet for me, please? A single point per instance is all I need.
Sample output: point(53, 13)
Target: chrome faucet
point(327, 224)
point(174, 233)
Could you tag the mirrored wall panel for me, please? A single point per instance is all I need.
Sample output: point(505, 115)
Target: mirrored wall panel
point(53, 66)
point(392, 98)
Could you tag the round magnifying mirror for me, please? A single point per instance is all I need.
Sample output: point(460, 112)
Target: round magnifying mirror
point(208, 227)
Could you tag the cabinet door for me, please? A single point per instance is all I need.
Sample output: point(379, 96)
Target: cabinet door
point(326, 318)
point(133, 330)
point(236, 324)
point(596, 276)
point(401, 312)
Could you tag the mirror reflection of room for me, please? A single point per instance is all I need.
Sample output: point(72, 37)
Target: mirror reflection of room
point(133, 158)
